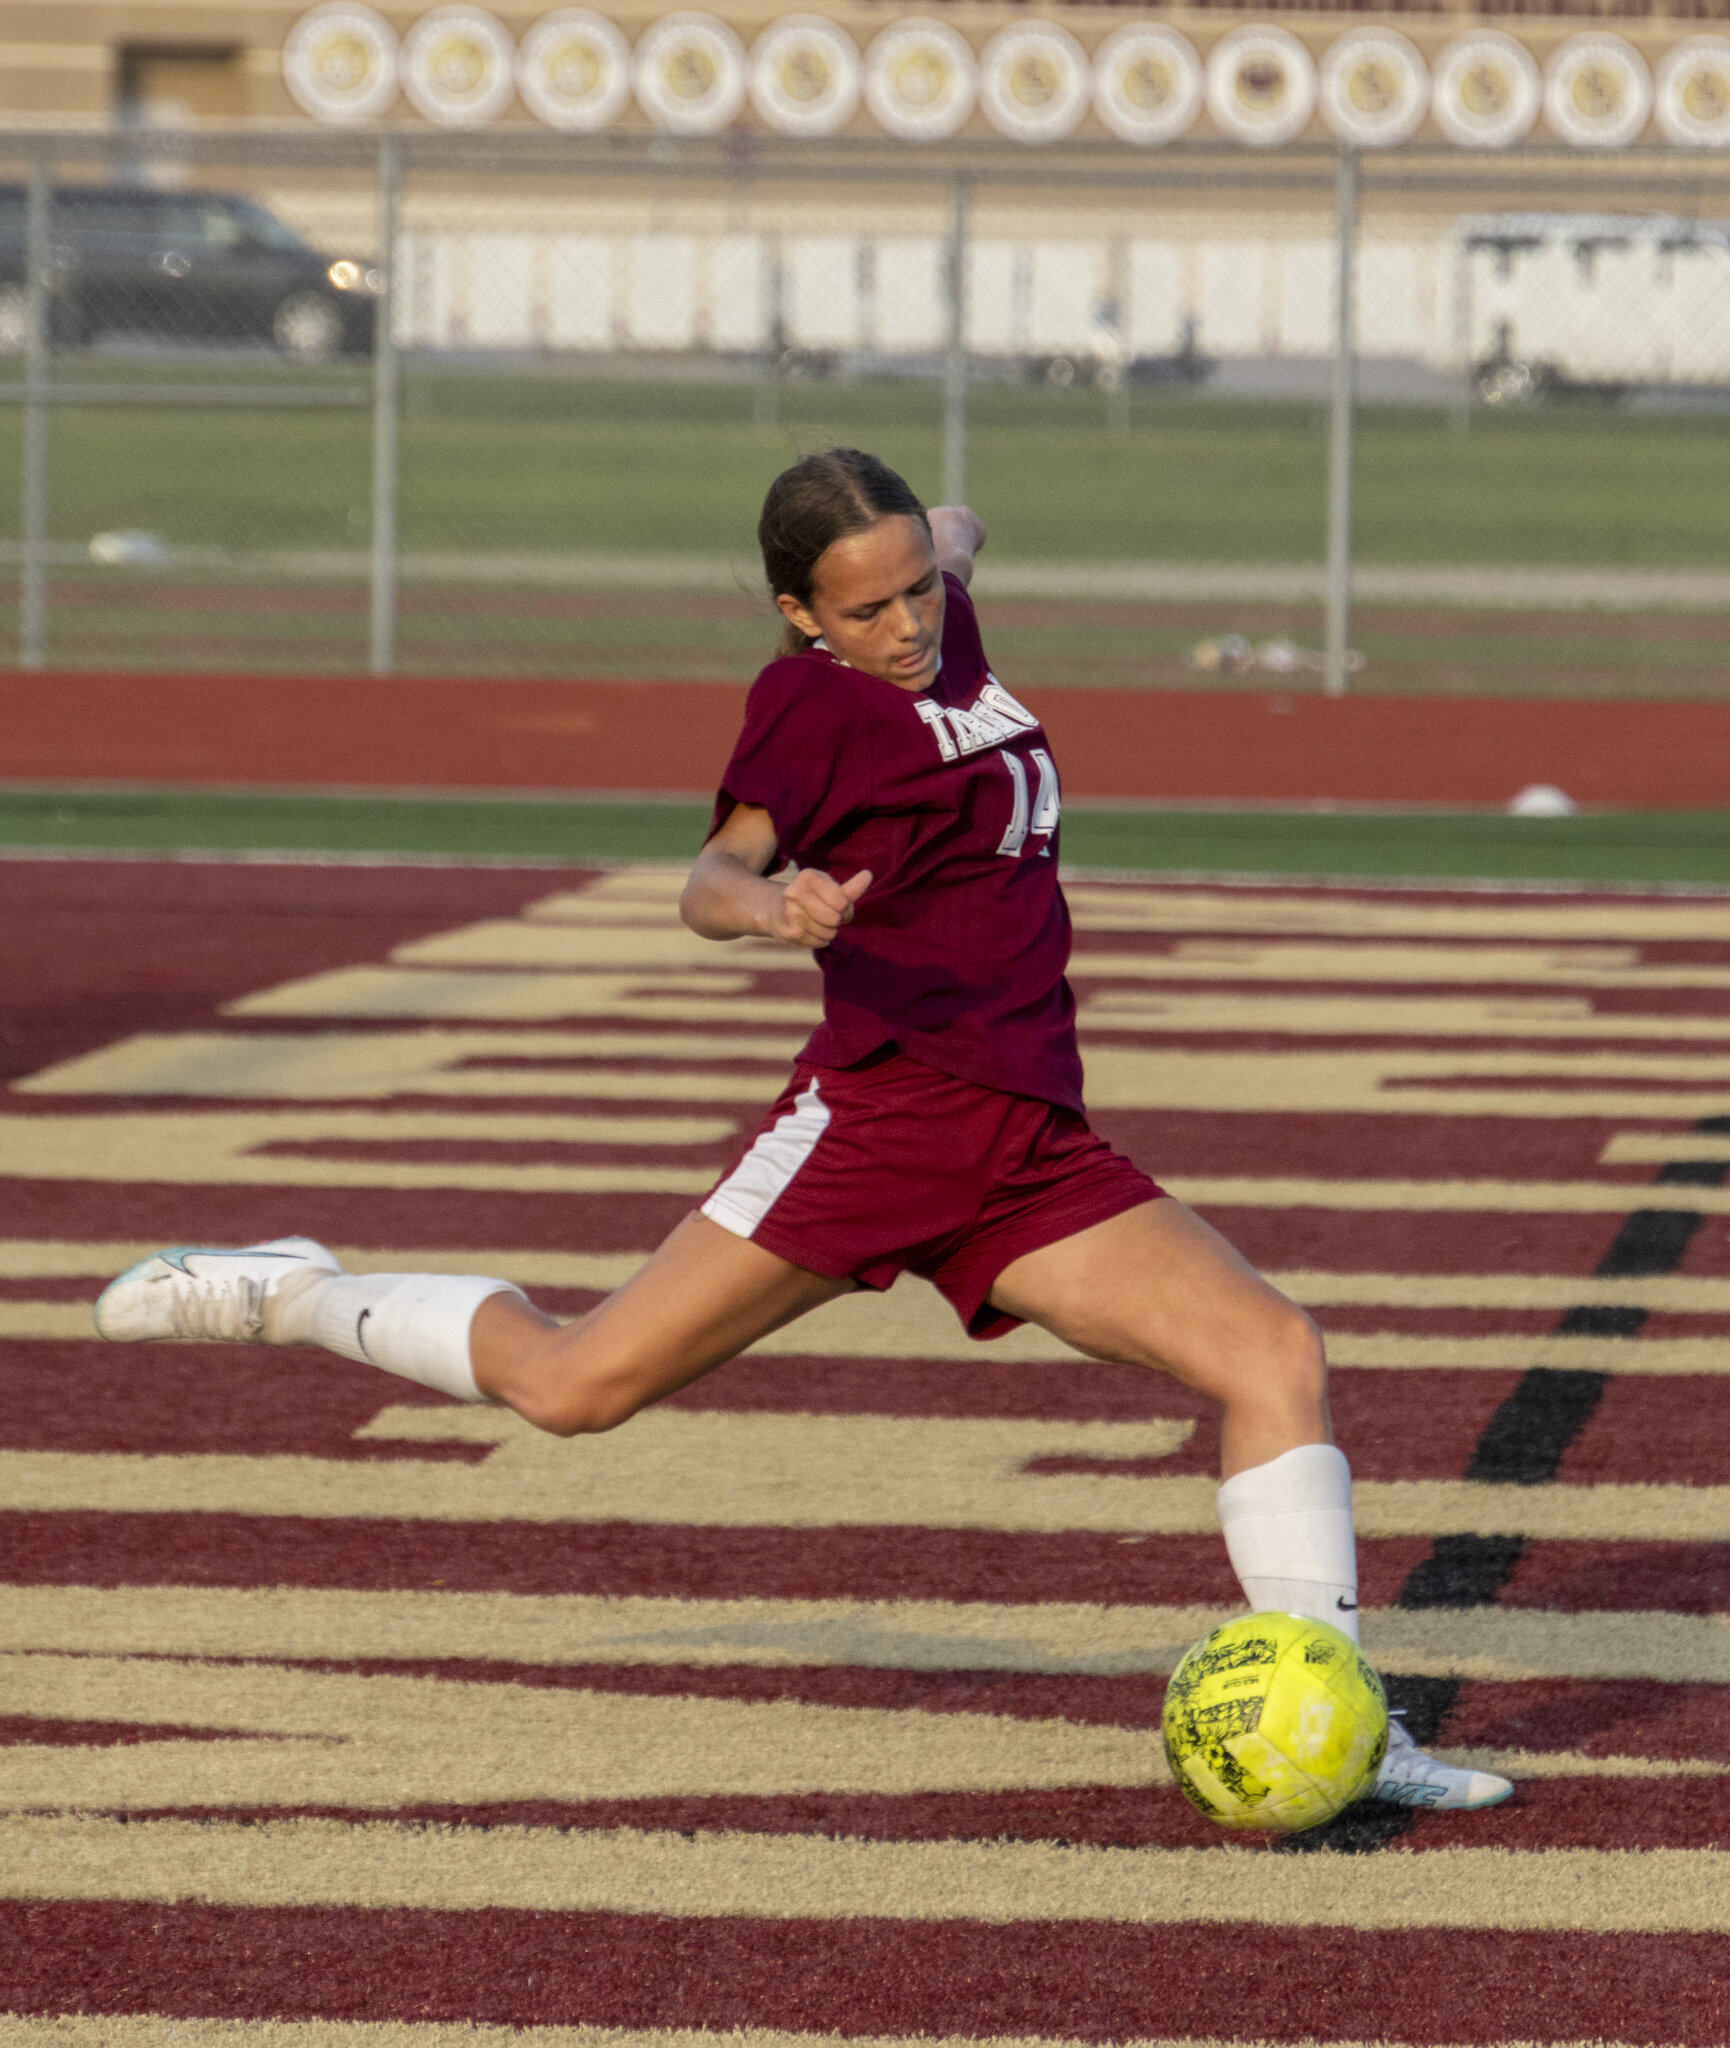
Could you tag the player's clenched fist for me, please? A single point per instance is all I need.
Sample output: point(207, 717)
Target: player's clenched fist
point(814, 907)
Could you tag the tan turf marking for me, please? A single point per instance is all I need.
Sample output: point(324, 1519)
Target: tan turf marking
point(909, 1635)
point(332, 1065)
point(1392, 1083)
point(1372, 1016)
point(1520, 1197)
point(644, 882)
point(1682, 1293)
point(1298, 960)
point(520, 942)
point(149, 2030)
point(1633, 1148)
point(1569, 1763)
point(1117, 908)
point(336, 1739)
point(24, 1258)
point(383, 1865)
point(670, 1466)
point(527, 995)
point(225, 1149)
point(1643, 1356)
point(721, 1470)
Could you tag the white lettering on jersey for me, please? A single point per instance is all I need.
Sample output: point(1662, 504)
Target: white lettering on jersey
point(999, 699)
point(1016, 837)
point(933, 717)
point(1038, 818)
point(993, 717)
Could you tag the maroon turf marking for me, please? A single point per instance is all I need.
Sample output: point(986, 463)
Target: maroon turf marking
point(1600, 1717)
point(1549, 1813)
point(1570, 1577)
point(91, 1549)
point(18, 1729)
point(1082, 1981)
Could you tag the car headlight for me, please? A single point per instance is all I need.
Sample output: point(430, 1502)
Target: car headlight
point(348, 276)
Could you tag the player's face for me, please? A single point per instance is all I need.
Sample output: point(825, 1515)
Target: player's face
point(877, 601)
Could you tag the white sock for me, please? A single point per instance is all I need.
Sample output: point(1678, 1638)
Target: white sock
point(413, 1324)
point(1288, 1532)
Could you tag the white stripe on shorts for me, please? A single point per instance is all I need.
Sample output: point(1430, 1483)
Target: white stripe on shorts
point(766, 1172)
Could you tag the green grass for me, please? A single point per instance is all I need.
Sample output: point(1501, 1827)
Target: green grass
point(512, 461)
point(1673, 847)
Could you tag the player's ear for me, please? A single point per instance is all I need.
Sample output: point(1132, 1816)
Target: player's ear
point(792, 610)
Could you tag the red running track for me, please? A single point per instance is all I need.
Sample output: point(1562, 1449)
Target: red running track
point(1166, 745)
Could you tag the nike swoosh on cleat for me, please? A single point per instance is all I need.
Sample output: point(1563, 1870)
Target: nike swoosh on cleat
point(178, 1257)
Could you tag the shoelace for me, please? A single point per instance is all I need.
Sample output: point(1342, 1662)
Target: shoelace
point(231, 1308)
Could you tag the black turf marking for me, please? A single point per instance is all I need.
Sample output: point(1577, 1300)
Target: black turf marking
point(1602, 1322)
point(1362, 1829)
point(1524, 1441)
point(1693, 1173)
point(1460, 1571)
point(1649, 1241)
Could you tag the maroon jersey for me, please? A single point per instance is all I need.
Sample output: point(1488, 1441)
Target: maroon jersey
point(949, 796)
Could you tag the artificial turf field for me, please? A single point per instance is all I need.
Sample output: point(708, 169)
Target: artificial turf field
point(821, 1700)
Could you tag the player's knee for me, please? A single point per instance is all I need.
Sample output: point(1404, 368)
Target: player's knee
point(564, 1395)
point(574, 1410)
point(1295, 1355)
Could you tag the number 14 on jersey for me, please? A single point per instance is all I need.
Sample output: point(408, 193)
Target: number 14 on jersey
point(1034, 814)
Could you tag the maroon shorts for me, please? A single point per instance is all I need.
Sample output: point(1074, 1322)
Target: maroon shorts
point(867, 1172)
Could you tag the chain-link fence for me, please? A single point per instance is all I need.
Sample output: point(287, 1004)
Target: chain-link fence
point(479, 404)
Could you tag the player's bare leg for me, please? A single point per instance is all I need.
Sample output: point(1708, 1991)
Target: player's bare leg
point(1158, 1287)
point(702, 1298)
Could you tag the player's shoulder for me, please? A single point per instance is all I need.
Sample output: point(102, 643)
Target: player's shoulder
point(809, 691)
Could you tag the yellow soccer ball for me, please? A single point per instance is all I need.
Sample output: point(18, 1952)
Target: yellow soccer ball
point(1274, 1722)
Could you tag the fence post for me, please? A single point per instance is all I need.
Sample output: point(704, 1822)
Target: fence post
point(1339, 567)
point(33, 569)
point(384, 415)
point(955, 351)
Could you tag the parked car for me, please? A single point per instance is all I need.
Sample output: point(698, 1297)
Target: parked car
point(185, 266)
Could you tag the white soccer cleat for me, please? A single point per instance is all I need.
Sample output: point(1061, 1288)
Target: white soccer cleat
point(231, 1297)
point(1411, 1777)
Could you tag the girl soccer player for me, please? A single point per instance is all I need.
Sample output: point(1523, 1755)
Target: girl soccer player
point(891, 806)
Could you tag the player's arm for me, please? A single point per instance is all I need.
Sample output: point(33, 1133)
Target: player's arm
point(729, 896)
point(957, 534)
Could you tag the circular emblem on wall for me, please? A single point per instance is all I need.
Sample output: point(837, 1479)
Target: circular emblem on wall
point(805, 75)
point(1033, 81)
point(1694, 93)
point(574, 70)
point(920, 80)
point(1484, 90)
point(1597, 91)
point(1147, 84)
point(457, 66)
point(1261, 85)
point(1374, 88)
point(689, 74)
point(340, 63)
